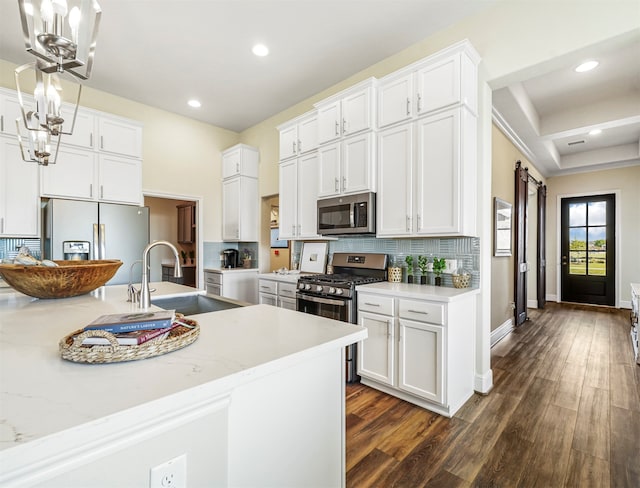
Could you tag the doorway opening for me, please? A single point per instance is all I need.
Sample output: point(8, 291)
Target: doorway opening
point(588, 249)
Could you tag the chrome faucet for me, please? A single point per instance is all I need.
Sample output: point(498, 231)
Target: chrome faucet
point(145, 292)
point(133, 295)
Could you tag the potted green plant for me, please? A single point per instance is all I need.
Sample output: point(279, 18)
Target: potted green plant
point(246, 262)
point(192, 256)
point(422, 264)
point(439, 266)
point(409, 261)
point(184, 256)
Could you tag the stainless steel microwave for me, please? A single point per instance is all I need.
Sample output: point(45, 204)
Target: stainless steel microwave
point(349, 214)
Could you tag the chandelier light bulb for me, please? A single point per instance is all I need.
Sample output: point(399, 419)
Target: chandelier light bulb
point(46, 12)
point(60, 7)
point(74, 23)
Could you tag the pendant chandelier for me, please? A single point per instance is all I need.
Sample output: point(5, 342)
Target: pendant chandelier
point(62, 36)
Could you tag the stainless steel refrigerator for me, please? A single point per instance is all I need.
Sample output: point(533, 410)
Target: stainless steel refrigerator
point(112, 231)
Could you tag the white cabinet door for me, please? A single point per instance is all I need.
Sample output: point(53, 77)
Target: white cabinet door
point(241, 285)
point(395, 195)
point(231, 209)
point(439, 85)
point(120, 137)
point(329, 122)
point(83, 130)
point(74, 176)
point(240, 209)
point(438, 175)
point(356, 112)
point(19, 193)
point(240, 160)
point(307, 196)
point(329, 170)
point(358, 164)
point(395, 100)
point(288, 142)
point(376, 353)
point(420, 360)
point(288, 199)
point(120, 179)
point(288, 303)
point(267, 299)
point(9, 112)
point(307, 134)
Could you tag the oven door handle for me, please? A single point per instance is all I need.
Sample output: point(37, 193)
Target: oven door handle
point(352, 215)
point(325, 301)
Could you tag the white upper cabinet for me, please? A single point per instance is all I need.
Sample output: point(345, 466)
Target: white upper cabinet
point(120, 179)
point(73, 177)
point(443, 80)
point(240, 160)
point(19, 196)
point(348, 166)
point(346, 113)
point(240, 205)
point(299, 136)
point(298, 196)
point(120, 136)
point(84, 129)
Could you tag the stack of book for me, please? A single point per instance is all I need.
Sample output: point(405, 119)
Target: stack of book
point(133, 328)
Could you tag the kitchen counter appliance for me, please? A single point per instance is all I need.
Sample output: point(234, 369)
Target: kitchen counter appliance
point(229, 258)
point(334, 295)
point(349, 214)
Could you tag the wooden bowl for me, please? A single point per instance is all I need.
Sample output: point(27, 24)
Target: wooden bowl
point(68, 279)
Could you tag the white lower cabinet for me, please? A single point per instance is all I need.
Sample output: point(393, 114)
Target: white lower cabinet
point(419, 350)
point(277, 293)
point(237, 284)
point(19, 193)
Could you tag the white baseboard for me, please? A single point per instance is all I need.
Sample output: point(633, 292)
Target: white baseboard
point(483, 383)
point(625, 304)
point(500, 332)
point(552, 298)
point(532, 303)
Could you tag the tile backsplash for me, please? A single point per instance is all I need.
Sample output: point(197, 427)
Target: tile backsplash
point(9, 247)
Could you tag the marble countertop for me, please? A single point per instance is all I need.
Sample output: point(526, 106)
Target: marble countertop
point(421, 292)
point(43, 395)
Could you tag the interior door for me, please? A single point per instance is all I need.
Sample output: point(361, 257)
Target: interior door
point(520, 243)
point(541, 248)
point(588, 249)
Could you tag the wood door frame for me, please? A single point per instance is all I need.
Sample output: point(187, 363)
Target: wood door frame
point(558, 263)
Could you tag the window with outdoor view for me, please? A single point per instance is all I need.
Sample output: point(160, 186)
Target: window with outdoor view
point(587, 234)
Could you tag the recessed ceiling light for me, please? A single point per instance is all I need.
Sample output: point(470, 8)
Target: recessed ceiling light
point(595, 132)
point(194, 103)
point(587, 66)
point(260, 50)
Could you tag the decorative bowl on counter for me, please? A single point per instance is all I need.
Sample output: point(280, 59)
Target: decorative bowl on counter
point(68, 279)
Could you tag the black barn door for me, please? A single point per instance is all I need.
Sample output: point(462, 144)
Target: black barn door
point(520, 243)
point(542, 253)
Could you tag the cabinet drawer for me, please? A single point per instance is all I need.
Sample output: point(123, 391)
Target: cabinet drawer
point(422, 311)
point(267, 286)
point(213, 278)
point(287, 290)
point(375, 304)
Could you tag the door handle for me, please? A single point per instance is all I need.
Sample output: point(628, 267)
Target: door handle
point(564, 260)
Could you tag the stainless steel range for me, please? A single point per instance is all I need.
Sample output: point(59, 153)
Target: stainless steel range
point(334, 295)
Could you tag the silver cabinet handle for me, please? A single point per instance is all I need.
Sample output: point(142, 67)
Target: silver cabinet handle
point(265, 287)
point(388, 328)
point(103, 241)
point(419, 103)
point(408, 106)
point(101, 191)
point(419, 221)
point(237, 167)
point(418, 311)
point(293, 230)
point(101, 142)
point(299, 145)
point(96, 243)
point(344, 183)
point(337, 128)
point(91, 190)
point(2, 225)
point(91, 139)
point(299, 230)
point(294, 146)
point(336, 184)
point(1, 123)
point(408, 223)
point(344, 126)
point(372, 304)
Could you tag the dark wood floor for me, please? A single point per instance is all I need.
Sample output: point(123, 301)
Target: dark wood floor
point(564, 411)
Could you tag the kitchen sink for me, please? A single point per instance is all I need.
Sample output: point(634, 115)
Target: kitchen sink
point(194, 304)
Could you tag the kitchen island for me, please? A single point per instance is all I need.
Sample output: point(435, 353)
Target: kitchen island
point(257, 400)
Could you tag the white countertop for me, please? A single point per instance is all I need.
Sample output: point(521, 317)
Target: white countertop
point(291, 277)
point(43, 395)
point(421, 292)
point(232, 270)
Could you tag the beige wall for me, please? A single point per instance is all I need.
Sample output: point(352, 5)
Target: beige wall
point(503, 161)
point(626, 181)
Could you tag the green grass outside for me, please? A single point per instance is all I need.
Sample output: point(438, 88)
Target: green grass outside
point(595, 269)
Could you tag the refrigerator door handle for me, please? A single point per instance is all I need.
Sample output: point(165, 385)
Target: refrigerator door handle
point(96, 236)
point(103, 247)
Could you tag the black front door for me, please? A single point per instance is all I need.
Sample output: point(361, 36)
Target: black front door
point(588, 249)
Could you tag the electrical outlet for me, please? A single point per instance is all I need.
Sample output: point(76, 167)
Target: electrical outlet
point(172, 474)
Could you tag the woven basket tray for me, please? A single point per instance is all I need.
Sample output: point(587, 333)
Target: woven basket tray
point(71, 347)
